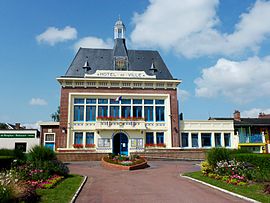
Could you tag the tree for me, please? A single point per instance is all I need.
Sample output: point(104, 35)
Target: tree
point(3, 126)
point(56, 115)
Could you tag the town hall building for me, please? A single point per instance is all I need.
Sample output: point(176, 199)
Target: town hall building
point(115, 101)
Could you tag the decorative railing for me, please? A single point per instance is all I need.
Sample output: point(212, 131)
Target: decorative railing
point(256, 138)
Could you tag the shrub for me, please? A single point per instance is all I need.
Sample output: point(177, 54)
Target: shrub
point(260, 160)
point(5, 193)
point(206, 168)
point(215, 155)
point(41, 153)
point(6, 152)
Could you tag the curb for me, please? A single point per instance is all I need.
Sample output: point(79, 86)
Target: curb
point(220, 189)
point(79, 190)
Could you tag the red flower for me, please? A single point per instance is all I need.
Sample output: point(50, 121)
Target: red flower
point(161, 145)
point(78, 145)
point(90, 145)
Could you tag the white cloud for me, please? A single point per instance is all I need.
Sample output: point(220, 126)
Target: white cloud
point(240, 81)
point(179, 25)
point(253, 113)
point(54, 35)
point(182, 95)
point(38, 102)
point(93, 42)
point(32, 125)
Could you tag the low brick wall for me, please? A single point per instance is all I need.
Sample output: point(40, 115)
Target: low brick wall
point(148, 154)
point(79, 156)
point(174, 154)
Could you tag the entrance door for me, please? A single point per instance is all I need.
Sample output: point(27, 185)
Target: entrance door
point(120, 144)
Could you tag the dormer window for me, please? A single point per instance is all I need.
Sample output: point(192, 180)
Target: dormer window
point(121, 63)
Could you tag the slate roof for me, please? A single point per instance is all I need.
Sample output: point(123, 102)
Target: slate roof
point(102, 59)
point(248, 121)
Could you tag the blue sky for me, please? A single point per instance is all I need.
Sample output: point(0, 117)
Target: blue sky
point(220, 49)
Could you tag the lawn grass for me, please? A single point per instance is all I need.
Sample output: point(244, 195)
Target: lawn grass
point(254, 191)
point(62, 192)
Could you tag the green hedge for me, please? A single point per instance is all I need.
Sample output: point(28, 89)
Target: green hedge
point(7, 152)
point(260, 160)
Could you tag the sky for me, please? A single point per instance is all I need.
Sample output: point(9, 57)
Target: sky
point(219, 49)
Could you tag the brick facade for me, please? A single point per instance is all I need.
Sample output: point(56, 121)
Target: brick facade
point(52, 129)
point(62, 139)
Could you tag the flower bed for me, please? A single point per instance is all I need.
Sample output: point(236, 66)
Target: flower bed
point(155, 145)
point(41, 170)
point(78, 145)
point(124, 162)
point(90, 146)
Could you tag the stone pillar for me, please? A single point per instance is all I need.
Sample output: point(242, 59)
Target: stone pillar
point(189, 140)
point(199, 140)
point(222, 140)
point(84, 138)
point(263, 137)
point(212, 139)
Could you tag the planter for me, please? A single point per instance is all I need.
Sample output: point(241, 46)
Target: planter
point(122, 167)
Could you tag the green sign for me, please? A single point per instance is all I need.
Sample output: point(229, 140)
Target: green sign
point(9, 135)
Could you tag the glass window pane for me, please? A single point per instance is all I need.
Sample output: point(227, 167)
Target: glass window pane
point(160, 138)
point(90, 113)
point(89, 138)
point(114, 111)
point(148, 101)
point(217, 139)
point(148, 113)
point(137, 111)
point(91, 101)
point(103, 101)
point(206, 139)
point(113, 101)
point(126, 101)
point(78, 101)
point(194, 138)
point(137, 101)
point(78, 138)
point(149, 138)
point(184, 137)
point(160, 113)
point(102, 111)
point(125, 113)
point(227, 139)
point(159, 101)
point(49, 137)
point(78, 113)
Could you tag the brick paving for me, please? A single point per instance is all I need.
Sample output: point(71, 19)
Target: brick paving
point(158, 183)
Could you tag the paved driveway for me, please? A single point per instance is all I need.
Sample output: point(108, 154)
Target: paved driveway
point(158, 183)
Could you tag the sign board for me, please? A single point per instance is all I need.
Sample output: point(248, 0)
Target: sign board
point(16, 135)
point(120, 74)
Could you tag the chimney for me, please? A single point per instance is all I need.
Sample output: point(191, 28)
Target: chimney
point(263, 115)
point(236, 115)
point(17, 126)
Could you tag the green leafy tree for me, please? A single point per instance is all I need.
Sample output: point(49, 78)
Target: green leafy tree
point(56, 115)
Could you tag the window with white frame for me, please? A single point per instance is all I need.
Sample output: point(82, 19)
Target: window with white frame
point(104, 142)
point(136, 142)
point(49, 140)
point(87, 109)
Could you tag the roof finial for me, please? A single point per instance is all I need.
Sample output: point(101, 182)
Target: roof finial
point(119, 17)
point(86, 66)
point(153, 67)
